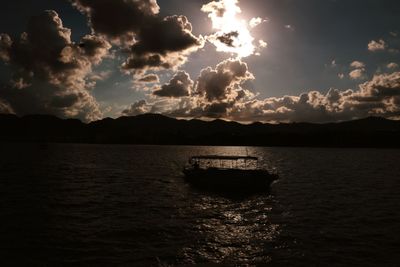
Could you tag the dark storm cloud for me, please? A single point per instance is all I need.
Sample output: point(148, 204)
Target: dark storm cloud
point(94, 48)
point(171, 34)
point(179, 86)
point(50, 70)
point(146, 61)
point(216, 110)
point(155, 42)
point(118, 18)
point(228, 38)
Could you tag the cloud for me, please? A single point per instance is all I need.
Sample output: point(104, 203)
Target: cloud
point(94, 48)
point(357, 74)
point(392, 65)
point(161, 106)
point(150, 78)
point(262, 43)
point(224, 82)
point(117, 19)
point(165, 44)
point(5, 46)
point(254, 22)
point(382, 86)
point(378, 97)
point(228, 38)
point(137, 108)
point(375, 46)
point(50, 71)
point(99, 76)
point(215, 92)
point(153, 42)
point(359, 71)
point(5, 108)
point(179, 86)
point(220, 93)
point(357, 65)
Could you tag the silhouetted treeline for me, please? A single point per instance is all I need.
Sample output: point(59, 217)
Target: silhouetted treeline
point(161, 130)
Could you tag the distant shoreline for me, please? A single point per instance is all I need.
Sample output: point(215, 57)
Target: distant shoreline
point(185, 145)
point(151, 129)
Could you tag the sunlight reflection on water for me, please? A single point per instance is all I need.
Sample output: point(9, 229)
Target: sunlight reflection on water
point(231, 231)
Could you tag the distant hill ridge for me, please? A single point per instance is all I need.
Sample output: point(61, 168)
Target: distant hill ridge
point(162, 130)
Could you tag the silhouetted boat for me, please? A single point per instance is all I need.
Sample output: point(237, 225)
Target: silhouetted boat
point(228, 173)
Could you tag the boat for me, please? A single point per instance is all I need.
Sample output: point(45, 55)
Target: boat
point(228, 173)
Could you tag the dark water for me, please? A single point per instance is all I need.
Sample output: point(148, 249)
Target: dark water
point(86, 205)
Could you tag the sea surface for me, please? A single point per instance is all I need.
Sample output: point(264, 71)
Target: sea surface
point(121, 205)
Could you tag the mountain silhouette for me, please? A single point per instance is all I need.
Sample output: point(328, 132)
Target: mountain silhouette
point(162, 130)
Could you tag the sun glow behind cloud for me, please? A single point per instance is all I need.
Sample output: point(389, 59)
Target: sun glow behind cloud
point(232, 33)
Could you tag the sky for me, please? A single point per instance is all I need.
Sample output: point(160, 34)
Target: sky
point(246, 60)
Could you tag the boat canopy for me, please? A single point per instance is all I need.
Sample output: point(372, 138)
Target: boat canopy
point(215, 157)
point(214, 161)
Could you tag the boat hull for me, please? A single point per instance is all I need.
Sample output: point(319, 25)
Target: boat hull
point(230, 179)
